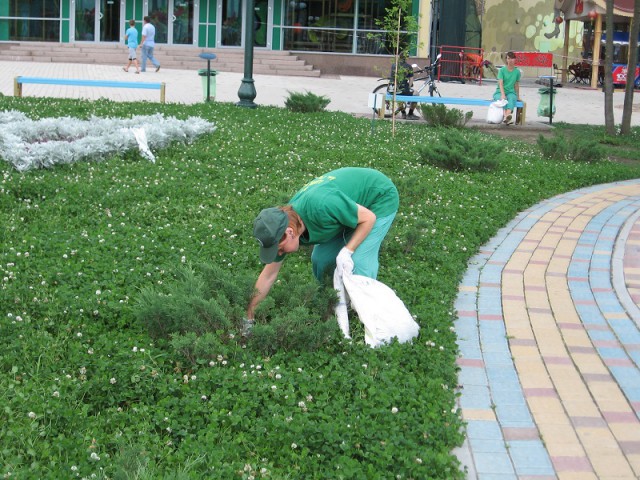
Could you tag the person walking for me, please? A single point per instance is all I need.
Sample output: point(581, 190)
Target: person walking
point(131, 37)
point(345, 214)
point(508, 87)
point(148, 43)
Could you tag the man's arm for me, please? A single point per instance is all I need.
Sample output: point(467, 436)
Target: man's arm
point(265, 281)
point(366, 220)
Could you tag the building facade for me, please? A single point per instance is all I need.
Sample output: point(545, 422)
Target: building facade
point(330, 26)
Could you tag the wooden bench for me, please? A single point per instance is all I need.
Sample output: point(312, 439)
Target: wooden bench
point(477, 102)
point(19, 81)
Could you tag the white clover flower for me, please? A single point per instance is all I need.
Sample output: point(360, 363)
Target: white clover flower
point(134, 349)
point(294, 445)
point(90, 351)
point(83, 370)
point(94, 456)
point(32, 415)
point(418, 460)
point(112, 381)
point(273, 387)
point(193, 377)
point(56, 394)
point(203, 398)
point(394, 410)
point(278, 376)
point(98, 292)
point(79, 334)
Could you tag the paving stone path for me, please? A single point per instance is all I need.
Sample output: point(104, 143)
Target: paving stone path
point(549, 337)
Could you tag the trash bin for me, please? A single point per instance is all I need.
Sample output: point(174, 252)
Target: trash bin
point(547, 107)
point(208, 81)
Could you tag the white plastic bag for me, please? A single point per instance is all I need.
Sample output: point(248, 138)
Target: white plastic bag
point(383, 314)
point(495, 114)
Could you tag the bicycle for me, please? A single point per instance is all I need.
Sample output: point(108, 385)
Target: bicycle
point(429, 82)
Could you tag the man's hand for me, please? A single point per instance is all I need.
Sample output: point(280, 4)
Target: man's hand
point(344, 262)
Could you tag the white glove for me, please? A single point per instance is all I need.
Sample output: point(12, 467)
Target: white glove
point(344, 262)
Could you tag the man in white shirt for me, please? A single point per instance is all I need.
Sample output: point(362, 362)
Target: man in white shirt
point(147, 44)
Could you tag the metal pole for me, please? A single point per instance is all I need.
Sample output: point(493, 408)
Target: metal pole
point(247, 91)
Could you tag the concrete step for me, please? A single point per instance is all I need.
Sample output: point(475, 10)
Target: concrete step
point(181, 57)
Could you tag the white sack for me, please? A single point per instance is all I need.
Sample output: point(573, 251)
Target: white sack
point(495, 114)
point(383, 314)
point(341, 307)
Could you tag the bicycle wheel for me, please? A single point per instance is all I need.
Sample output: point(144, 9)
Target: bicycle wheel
point(384, 89)
point(433, 89)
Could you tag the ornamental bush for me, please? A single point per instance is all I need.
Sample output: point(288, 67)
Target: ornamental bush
point(459, 150)
point(306, 102)
point(577, 150)
point(441, 116)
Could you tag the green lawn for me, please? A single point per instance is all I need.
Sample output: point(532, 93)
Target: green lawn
point(87, 391)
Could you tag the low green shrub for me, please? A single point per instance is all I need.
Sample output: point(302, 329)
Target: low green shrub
point(306, 102)
point(577, 150)
point(201, 313)
point(457, 150)
point(441, 116)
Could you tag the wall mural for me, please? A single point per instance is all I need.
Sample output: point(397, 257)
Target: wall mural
point(527, 25)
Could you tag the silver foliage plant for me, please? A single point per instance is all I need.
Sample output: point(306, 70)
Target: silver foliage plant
point(27, 144)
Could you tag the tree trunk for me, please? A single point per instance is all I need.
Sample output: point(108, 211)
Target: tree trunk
point(631, 70)
point(609, 121)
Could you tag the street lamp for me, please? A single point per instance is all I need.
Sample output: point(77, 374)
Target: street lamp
point(247, 91)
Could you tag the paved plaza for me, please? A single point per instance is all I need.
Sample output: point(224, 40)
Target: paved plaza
point(548, 318)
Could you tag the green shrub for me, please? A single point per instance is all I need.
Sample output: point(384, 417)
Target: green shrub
point(441, 116)
point(201, 314)
point(577, 150)
point(306, 102)
point(457, 150)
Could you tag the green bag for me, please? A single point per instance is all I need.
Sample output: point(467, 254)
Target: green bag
point(544, 108)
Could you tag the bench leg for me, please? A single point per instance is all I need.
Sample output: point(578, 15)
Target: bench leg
point(17, 88)
point(521, 115)
point(162, 92)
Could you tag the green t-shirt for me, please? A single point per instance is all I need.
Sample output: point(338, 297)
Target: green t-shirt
point(509, 79)
point(328, 205)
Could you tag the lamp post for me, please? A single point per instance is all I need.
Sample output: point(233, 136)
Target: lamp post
point(247, 91)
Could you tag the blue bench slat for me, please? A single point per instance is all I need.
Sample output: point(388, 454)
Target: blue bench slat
point(446, 100)
point(89, 83)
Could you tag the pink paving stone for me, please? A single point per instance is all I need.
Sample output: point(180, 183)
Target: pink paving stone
point(493, 318)
point(606, 343)
point(556, 274)
point(578, 279)
point(514, 433)
point(516, 271)
point(513, 297)
point(470, 362)
point(574, 230)
point(581, 260)
point(584, 302)
point(620, 417)
point(540, 392)
point(540, 310)
point(602, 290)
point(544, 247)
point(571, 464)
point(618, 362)
point(580, 349)
point(597, 377)
point(588, 422)
point(535, 288)
point(570, 326)
point(537, 477)
point(630, 448)
point(467, 313)
point(595, 326)
point(562, 256)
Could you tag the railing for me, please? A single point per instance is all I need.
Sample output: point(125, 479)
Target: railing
point(461, 64)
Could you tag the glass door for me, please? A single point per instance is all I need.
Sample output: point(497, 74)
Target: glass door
point(159, 13)
point(231, 18)
point(232, 22)
point(182, 22)
point(109, 16)
point(85, 18)
point(97, 20)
